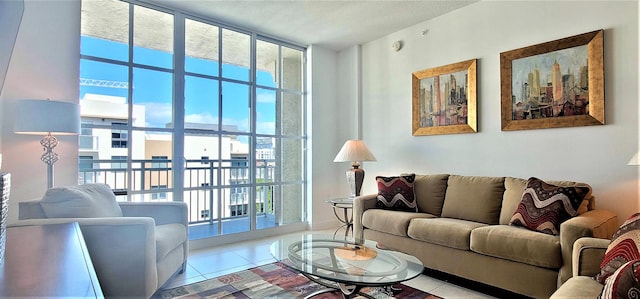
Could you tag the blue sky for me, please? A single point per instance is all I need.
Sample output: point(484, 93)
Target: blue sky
point(153, 89)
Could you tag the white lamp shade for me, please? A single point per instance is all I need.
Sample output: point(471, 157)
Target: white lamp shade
point(40, 117)
point(635, 160)
point(354, 150)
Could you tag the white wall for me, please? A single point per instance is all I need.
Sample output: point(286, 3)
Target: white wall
point(327, 133)
point(45, 64)
point(597, 154)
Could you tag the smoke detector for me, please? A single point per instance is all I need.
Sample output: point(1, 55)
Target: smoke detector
point(396, 46)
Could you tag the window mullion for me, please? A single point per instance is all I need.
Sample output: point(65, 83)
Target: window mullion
point(179, 161)
point(252, 129)
point(130, 173)
point(219, 136)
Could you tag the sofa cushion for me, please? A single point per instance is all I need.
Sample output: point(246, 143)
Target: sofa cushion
point(390, 222)
point(578, 287)
point(447, 232)
point(168, 237)
point(624, 283)
point(517, 244)
point(624, 247)
point(514, 188)
point(430, 191)
point(474, 198)
point(83, 201)
point(396, 193)
point(545, 206)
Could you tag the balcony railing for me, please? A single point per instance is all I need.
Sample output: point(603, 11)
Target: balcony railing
point(214, 190)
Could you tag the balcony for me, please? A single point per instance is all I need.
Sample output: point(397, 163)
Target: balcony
point(217, 192)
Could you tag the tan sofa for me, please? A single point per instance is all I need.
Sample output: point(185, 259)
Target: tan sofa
point(588, 253)
point(462, 228)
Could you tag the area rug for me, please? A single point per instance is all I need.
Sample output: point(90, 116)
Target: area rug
point(275, 281)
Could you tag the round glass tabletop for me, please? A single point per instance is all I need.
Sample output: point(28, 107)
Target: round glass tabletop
point(344, 261)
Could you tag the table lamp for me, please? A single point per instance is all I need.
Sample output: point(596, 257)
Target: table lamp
point(48, 118)
point(354, 151)
point(635, 160)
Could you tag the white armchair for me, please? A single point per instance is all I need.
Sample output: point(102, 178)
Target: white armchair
point(133, 255)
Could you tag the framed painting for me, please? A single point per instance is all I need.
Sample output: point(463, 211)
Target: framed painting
point(444, 99)
point(554, 84)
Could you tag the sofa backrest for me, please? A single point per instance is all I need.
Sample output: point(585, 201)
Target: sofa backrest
point(430, 191)
point(474, 198)
point(514, 187)
point(490, 200)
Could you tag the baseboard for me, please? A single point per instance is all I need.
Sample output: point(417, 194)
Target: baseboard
point(246, 236)
point(473, 285)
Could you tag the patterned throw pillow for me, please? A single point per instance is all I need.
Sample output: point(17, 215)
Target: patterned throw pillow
point(623, 247)
point(544, 207)
point(624, 283)
point(396, 193)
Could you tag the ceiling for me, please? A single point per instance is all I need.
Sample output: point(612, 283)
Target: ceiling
point(333, 25)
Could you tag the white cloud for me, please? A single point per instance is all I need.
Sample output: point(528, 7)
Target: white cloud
point(267, 98)
point(266, 127)
point(157, 114)
point(201, 118)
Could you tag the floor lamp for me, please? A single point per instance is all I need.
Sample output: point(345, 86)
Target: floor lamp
point(48, 118)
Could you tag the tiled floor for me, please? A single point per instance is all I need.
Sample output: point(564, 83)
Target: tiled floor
point(213, 262)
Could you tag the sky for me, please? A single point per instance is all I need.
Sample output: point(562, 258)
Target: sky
point(154, 90)
point(571, 60)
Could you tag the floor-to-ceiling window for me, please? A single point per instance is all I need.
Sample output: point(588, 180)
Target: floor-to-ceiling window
point(178, 107)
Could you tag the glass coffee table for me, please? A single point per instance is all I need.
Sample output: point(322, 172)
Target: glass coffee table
point(340, 264)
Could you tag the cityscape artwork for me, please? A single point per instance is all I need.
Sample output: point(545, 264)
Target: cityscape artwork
point(555, 84)
point(444, 99)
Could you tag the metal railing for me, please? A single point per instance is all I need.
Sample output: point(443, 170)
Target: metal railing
point(214, 190)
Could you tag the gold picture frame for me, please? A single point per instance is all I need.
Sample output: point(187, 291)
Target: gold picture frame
point(444, 99)
point(573, 94)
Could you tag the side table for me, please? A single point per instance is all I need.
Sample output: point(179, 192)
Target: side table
point(346, 205)
point(47, 261)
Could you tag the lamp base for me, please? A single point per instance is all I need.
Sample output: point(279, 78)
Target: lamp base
point(49, 142)
point(355, 177)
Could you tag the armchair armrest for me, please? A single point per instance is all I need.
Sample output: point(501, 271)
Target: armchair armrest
point(588, 254)
point(597, 223)
point(161, 212)
point(361, 204)
point(122, 250)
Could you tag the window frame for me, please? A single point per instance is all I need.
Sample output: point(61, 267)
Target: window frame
point(179, 132)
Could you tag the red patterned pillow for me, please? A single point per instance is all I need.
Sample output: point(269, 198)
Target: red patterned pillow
point(623, 247)
point(544, 207)
point(624, 283)
point(396, 193)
